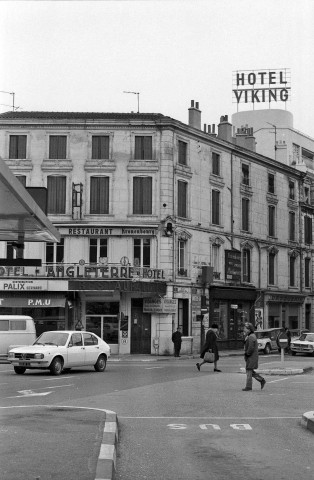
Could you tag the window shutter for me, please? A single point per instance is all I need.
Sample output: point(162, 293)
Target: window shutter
point(99, 195)
point(142, 195)
point(56, 194)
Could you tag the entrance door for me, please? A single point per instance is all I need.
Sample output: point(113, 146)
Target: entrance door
point(105, 326)
point(140, 328)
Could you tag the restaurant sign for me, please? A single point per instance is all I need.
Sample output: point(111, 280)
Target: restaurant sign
point(159, 305)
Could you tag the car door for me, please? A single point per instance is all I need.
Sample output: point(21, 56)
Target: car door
point(76, 350)
point(92, 348)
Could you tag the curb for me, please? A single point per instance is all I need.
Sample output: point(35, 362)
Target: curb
point(280, 371)
point(106, 465)
point(307, 421)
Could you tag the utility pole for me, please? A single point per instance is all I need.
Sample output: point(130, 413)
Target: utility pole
point(275, 138)
point(13, 98)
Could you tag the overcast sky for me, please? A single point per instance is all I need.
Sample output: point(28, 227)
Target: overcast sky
point(82, 55)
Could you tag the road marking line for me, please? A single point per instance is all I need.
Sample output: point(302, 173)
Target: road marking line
point(61, 386)
point(214, 418)
point(152, 368)
point(278, 380)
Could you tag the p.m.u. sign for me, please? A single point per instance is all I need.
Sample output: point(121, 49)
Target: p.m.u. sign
point(261, 86)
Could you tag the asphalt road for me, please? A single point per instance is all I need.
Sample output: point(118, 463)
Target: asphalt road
point(174, 421)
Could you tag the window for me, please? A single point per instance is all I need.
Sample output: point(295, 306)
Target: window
point(292, 226)
point(99, 195)
point(182, 199)
point(291, 190)
point(56, 186)
point(271, 220)
point(17, 146)
point(22, 179)
point(182, 152)
point(55, 252)
point(141, 252)
point(307, 230)
point(10, 251)
point(246, 265)
point(215, 207)
point(100, 147)
point(143, 148)
point(181, 257)
point(271, 268)
point(271, 183)
point(98, 248)
point(292, 271)
point(245, 214)
point(216, 260)
point(245, 174)
point(306, 195)
point(142, 195)
point(307, 264)
point(215, 163)
point(57, 146)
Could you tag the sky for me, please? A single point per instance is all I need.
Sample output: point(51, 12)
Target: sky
point(82, 55)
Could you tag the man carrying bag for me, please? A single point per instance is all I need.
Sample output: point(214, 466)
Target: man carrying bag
point(209, 352)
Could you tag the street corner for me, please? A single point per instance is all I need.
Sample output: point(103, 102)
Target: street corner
point(307, 421)
point(106, 465)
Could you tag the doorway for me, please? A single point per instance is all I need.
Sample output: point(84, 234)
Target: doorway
point(140, 328)
point(105, 326)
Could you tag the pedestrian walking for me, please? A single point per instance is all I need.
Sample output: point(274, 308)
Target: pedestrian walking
point(210, 344)
point(288, 333)
point(251, 358)
point(177, 341)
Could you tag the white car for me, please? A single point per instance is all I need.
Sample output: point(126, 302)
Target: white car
point(61, 350)
point(304, 344)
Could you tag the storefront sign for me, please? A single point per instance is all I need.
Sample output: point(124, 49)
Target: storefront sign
point(233, 265)
point(286, 298)
point(181, 292)
point(103, 272)
point(107, 231)
point(159, 305)
point(23, 285)
point(260, 86)
point(21, 301)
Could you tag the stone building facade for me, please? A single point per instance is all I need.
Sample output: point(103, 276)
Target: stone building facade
point(159, 220)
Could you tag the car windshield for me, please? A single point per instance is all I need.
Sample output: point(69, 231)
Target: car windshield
point(307, 337)
point(262, 334)
point(52, 338)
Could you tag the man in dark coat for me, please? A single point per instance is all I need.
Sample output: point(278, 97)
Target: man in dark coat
point(210, 344)
point(177, 340)
point(251, 358)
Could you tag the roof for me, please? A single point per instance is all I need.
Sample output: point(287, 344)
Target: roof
point(21, 219)
point(79, 115)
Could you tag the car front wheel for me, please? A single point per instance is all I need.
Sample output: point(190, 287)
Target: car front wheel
point(20, 370)
point(56, 366)
point(267, 349)
point(101, 363)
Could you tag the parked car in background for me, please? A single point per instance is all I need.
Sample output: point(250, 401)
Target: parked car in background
point(60, 350)
point(267, 339)
point(295, 334)
point(305, 344)
point(15, 330)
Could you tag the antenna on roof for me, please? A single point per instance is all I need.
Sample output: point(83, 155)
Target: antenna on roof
point(13, 95)
point(138, 99)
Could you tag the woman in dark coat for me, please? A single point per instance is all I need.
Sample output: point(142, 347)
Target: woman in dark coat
point(210, 344)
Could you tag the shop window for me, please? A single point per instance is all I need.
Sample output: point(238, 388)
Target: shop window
point(246, 265)
point(17, 146)
point(100, 147)
point(182, 147)
point(143, 148)
point(271, 183)
point(245, 214)
point(56, 187)
point(307, 264)
point(55, 252)
point(141, 252)
point(271, 220)
point(57, 147)
point(215, 163)
point(215, 207)
point(142, 195)
point(292, 226)
point(182, 199)
point(98, 248)
point(99, 195)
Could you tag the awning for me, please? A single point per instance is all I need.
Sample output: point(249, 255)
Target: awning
point(120, 285)
point(21, 219)
point(33, 300)
point(233, 293)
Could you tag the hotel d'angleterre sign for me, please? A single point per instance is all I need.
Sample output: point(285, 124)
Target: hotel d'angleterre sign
point(261, 86)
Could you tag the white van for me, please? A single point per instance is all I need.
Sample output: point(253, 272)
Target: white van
point(15, 330)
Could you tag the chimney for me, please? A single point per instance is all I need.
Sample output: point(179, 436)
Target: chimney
point(250, 142)
point(195, 116)
point(244, 138)
point(225, 129)
point(211, 130)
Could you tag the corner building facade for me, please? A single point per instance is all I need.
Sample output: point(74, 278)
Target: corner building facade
point(155, 216)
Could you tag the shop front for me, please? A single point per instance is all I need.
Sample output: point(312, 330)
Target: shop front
point(284, 310)
point(230, 308)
